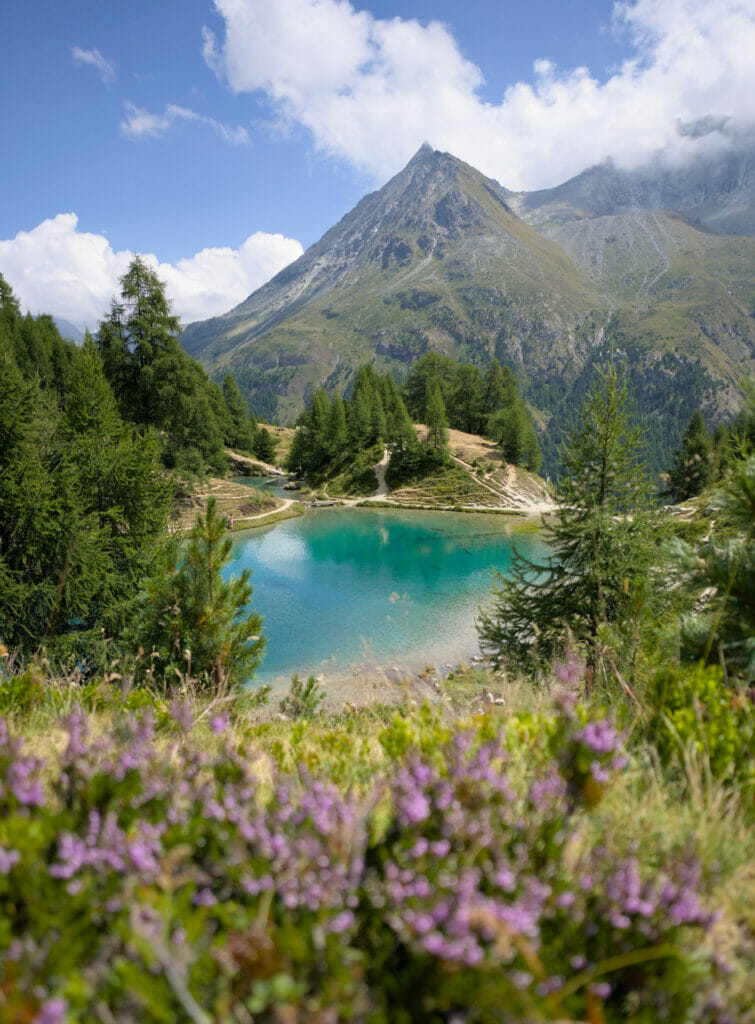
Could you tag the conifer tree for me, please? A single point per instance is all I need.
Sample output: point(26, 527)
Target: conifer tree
point(599, 541)
point(436, 420)
point(430, 369)
point(82, 510)
point(465, 406)
point(194, 619)
point(359, 422)
point(722, 629)
point(155, 383)
point(691, 469)
point(337, 433)
point(296, 458)
point(378, 423)
point(265, 445)
point(498, 388)
point(512, 427)
point(240, 431)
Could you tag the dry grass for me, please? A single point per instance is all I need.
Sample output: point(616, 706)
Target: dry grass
point(284, 436)
point(232, 498)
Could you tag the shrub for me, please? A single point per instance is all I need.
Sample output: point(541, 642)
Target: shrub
point(303, 699)
point(177, 874)
point(694, 712)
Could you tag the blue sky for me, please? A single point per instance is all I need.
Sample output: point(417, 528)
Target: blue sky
point(219, 138)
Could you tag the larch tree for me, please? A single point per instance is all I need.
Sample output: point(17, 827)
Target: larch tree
point(436, 420)
point(691, 470)
point(600, 544)
point(193, 619)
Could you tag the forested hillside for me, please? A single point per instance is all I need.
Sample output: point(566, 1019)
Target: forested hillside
point(445, 261)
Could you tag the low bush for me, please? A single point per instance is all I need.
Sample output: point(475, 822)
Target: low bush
point(170, 870)
point(696, 715)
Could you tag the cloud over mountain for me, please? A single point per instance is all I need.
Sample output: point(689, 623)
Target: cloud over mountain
point(95, 59)
point(138, 123)
point(55, 268)
point(371, 90)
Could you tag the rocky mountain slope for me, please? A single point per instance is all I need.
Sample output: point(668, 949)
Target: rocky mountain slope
point(442, 258)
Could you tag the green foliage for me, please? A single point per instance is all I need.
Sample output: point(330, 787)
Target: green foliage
point(191, 621)
point(513, 429)
point(474, 403)
point(340, 441)
point(691, 469)
point(240, 428)
point(155, 383)
point(264, 445)
point(445, 868)
point(696, 715)
point(303, 700)
point(601, 541)
point(723, 566)
point(465, 404)
point(83, 505)
point(436, 420)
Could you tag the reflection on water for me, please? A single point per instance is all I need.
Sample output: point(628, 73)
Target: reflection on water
point(340, 587)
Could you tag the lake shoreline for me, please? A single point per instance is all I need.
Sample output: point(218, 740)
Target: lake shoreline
point(375, 597)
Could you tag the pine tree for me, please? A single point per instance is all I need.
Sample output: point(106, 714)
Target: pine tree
point(155, 383)
point(359, 422)
point(498, 388)
point(194, 619)
point(465, 406)
point(241, 432)
point(436, 420)
point(337, 433)
point(265, 446)
point(430, 369)
point(512, 427)
point(723, 566)
point(297, 456)
point(600, 541)
point(691, 469)
point(118, 473)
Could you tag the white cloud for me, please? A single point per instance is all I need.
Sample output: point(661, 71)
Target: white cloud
point(139, 124)
point(55, 268)
point(95, 59)
point(371, 90)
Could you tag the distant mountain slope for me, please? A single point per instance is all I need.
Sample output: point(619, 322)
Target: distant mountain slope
point(413, 266)
point(443, 258)
point(69, 330)
point(715, 193)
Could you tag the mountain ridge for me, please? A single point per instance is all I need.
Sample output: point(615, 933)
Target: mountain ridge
point(445, 259)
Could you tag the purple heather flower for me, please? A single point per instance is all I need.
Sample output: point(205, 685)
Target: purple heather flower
point(601, 989)
point(181, 713)
point(414, 807)
point(599, 736)
point(341, 922)
point(52, 1011)
point(219, 723)
point(7, 859)
point(520, 979)
point(570, 670)
point(599, 773)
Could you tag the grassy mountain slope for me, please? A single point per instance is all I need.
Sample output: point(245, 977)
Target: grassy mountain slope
point(445, 259)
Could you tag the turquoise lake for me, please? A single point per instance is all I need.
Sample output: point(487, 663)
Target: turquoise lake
point(345, 590)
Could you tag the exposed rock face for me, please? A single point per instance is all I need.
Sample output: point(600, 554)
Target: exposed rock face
point(715, 192)
point(442, 258)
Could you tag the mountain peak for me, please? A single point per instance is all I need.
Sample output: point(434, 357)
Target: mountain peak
point(444, 259)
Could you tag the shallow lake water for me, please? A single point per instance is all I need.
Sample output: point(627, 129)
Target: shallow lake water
point(343, 590)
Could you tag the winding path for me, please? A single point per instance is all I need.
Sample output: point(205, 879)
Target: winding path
point(380, 468)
